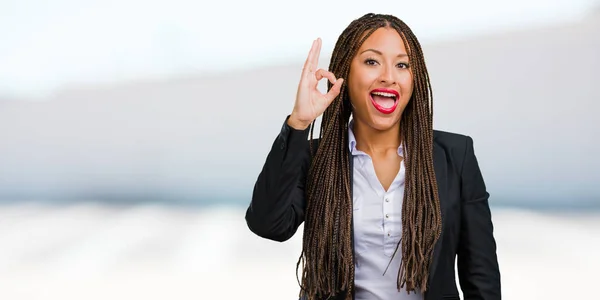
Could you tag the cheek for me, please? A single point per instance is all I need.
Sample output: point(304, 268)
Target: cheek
point(406, 82)
point(358, 87)
point(363, 78)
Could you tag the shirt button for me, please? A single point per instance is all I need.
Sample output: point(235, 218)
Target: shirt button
point(387, 199)
point(389, 233)
point(387, 216)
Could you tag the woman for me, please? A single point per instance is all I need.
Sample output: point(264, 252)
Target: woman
point(387, 202)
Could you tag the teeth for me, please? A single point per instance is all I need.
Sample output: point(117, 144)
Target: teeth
point(390, 95)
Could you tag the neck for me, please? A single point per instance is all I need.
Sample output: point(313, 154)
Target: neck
point(373, 141)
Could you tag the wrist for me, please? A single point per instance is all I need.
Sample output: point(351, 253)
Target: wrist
point(297, 124)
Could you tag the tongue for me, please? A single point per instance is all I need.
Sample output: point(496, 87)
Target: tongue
point(386, 102)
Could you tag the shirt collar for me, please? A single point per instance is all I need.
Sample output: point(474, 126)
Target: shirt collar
point(352, 142)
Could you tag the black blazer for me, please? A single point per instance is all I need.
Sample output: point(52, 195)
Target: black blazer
point(277, 210)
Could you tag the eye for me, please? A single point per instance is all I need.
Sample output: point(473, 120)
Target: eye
point(370, 61)
point(403, 66)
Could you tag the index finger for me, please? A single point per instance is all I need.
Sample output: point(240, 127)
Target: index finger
point(308, 65)
point(316, 54)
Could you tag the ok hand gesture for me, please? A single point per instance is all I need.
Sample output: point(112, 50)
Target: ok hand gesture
point(310, 102)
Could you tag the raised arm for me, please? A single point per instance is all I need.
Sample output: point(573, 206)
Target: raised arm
point(478, 269)
point(277, 207)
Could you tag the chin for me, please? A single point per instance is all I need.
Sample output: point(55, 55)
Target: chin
point(384, 122)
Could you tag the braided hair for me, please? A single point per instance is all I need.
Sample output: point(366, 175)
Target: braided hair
point(327, 258)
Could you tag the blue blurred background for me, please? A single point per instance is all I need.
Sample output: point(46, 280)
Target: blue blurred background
point(132, 133)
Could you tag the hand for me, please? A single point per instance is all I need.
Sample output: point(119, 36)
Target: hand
point(310, 102)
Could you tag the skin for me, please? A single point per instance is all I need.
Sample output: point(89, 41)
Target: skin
point(381, 62)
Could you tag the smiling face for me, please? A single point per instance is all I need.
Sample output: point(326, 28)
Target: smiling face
point(380, 82)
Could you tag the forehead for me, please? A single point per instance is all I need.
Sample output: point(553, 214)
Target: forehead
point(386, 40)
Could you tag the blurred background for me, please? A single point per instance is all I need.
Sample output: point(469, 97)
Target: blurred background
point(132, 133)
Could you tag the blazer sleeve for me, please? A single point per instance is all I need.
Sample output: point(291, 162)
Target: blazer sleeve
point(478, 269)
point(278, 202)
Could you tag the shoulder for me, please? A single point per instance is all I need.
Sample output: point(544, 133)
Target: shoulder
point(450, 140)
point(452, 143)
point(455, 147)
point(444, 139)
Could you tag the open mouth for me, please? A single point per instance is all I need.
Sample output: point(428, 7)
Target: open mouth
point(385, 100)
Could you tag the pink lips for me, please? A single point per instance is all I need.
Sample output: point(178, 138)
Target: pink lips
point(385, 110)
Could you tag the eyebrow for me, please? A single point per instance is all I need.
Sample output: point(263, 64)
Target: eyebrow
point(379, 52)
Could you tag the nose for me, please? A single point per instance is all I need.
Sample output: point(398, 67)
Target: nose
point(387, 75)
